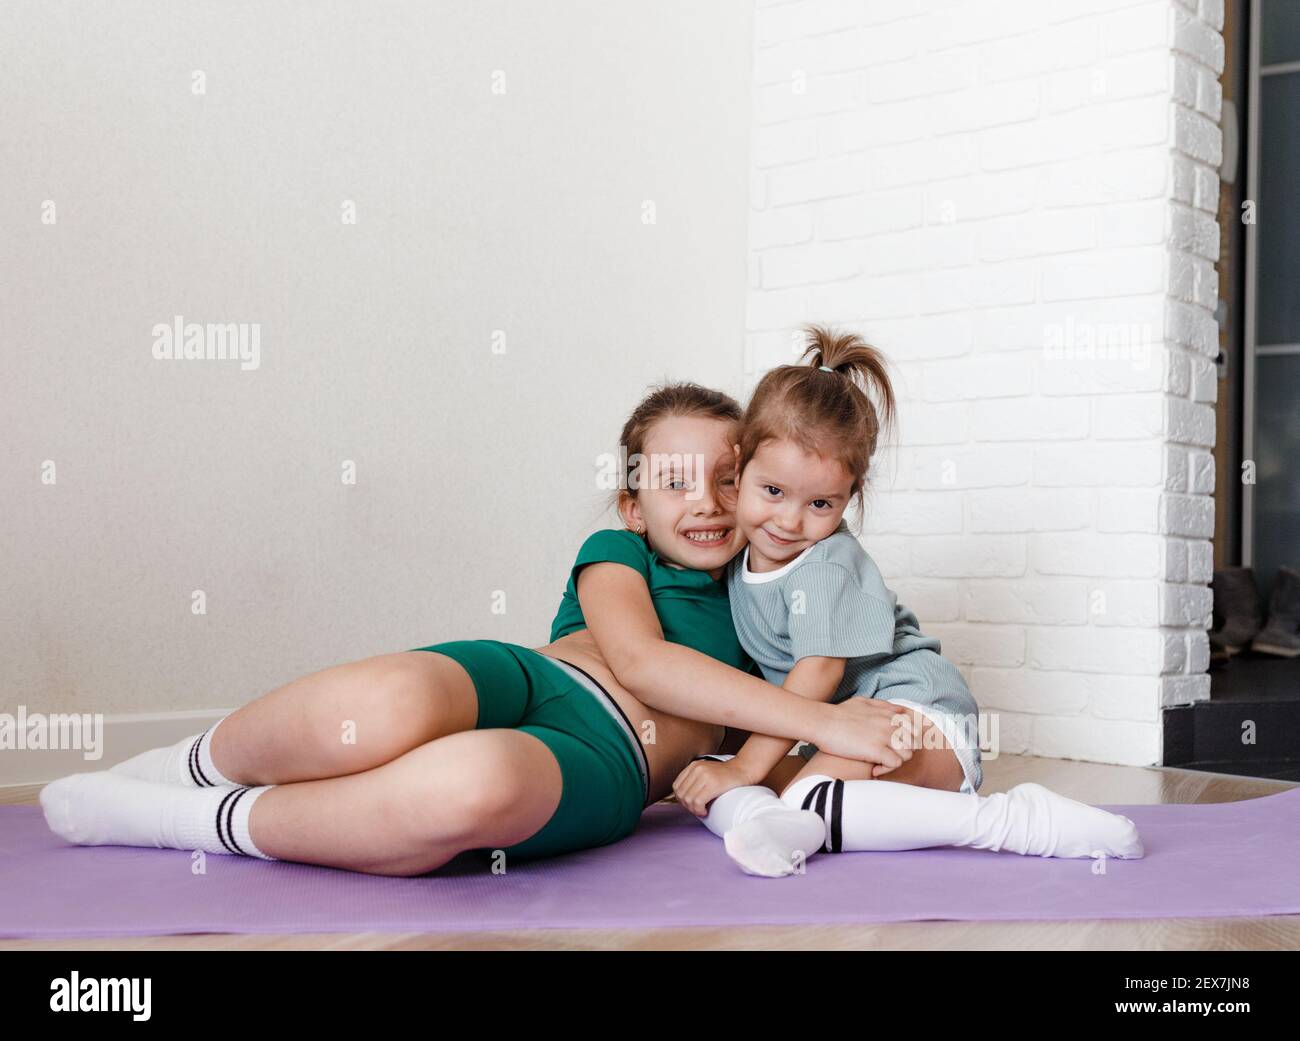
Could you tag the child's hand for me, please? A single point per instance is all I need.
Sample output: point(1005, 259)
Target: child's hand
point(703, 781)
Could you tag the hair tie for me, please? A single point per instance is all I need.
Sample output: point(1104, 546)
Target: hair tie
point(826, 368)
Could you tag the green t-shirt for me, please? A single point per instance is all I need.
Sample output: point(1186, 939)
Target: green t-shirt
point(692, 606)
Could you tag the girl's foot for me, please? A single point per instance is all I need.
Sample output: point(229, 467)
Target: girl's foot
point(107, 809)
point(1031, 819)
point(774, 843)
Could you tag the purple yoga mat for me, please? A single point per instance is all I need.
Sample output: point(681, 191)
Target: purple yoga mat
point(1239, 858)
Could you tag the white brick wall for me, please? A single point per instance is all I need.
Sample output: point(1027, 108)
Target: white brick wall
point(1015, 200)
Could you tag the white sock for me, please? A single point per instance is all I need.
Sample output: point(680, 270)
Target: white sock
point(188, 762)
point(788, 833)
point(106, 809)
point(1027, 819)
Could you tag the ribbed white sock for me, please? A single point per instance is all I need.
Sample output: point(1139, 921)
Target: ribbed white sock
point(188, 762)
point(787, 832)
point(107, 809)
point(1027, 819)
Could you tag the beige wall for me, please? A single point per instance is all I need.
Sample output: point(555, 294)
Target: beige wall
point(476, 212)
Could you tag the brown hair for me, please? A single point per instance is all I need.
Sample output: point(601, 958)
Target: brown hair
point(826, 413)
point(664, 400)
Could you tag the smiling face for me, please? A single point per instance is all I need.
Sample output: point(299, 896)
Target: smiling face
point(789, 499)
point(688, 495)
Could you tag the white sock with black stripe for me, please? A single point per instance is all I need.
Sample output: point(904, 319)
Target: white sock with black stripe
point(787, 834)
point(888, 815)
point(108, 809)
point(188, 762)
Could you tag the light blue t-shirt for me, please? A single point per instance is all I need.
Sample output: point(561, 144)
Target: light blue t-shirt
point(828, 601)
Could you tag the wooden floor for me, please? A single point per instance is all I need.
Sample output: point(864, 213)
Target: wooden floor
point(1088, 782)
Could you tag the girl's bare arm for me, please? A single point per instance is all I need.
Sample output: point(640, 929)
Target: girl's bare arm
point(815, 678)
point(617, 607)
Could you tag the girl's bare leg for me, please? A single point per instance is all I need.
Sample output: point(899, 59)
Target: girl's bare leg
point(344, 720)
point(471, 790)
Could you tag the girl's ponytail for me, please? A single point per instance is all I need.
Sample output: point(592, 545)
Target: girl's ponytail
point(829, 413)
point(851, 356)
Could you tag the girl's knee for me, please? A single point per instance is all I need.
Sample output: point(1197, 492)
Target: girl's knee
point(393, 695)
point(805, 788)
point(484, 777)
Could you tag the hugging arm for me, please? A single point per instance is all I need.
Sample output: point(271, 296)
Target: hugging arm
point(619, 612)
point(815, 678)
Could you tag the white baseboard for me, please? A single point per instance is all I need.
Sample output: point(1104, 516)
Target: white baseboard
point(123, 736)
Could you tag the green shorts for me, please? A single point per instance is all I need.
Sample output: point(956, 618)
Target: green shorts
point(602, 763)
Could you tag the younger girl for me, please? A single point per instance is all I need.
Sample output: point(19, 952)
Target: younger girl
point(811, 608)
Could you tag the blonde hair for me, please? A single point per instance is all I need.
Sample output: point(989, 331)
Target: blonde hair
point(826, 413)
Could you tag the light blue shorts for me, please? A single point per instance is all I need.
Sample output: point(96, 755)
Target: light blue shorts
point(928, 682)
